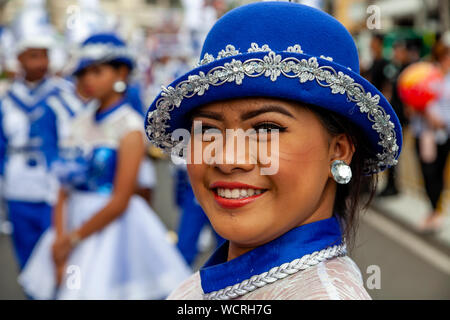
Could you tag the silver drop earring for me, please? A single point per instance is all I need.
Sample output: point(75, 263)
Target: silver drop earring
point(120, 86)
point(342, 173)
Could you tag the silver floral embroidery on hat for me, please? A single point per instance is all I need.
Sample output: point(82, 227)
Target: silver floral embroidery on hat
point(272, 66)
point(326, 58)
point(229, 51)
point(254, 47)
point(103, 51)
point(207, 58)
point(296, 48)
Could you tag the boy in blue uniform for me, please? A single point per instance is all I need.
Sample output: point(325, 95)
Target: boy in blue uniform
point(34, 115)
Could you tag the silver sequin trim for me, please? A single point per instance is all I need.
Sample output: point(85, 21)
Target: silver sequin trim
point(100, 51)
point(273, 66)
point(277, 273)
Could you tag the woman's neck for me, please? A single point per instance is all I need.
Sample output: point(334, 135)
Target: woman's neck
point(234, 250)
point(109, 101)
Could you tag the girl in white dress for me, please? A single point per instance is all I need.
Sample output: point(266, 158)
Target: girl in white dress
point(106, 242)
point(284, 79)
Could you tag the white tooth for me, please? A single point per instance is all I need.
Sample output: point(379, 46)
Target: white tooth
point(250, 192)
point(257, 191)
point(243, 193)
point(235, 193)
point(220, 192)
point(227, 193)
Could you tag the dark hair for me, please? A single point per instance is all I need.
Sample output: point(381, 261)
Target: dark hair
point(378, 36)
point(115, 64)
point(357, 195)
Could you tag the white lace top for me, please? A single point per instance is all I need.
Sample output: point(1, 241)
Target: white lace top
point(335, 279)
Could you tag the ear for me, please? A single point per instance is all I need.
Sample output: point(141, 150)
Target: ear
point(341, 148)
point(123, 72)
point(21, 57)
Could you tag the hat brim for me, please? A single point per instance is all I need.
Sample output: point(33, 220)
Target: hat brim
point(284, 75)
point(84, 63)
point(36, 42)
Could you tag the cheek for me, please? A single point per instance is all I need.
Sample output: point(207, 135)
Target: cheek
point(301, 178)
point(196, 173)
point(99, 84)
point(105, 82)
point(303, 170)
point(300, 148)
point(44, 62)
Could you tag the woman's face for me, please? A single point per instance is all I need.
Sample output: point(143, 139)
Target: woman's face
point(265, 206)
point(97, 81)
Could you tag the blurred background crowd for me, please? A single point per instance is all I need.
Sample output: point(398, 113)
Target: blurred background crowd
point(404, 48)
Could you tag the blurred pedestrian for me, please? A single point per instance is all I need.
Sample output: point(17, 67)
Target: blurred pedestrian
point(111, 237)
point(400, 60)
point(377, 73)
point(35, 114)
point(433, 144)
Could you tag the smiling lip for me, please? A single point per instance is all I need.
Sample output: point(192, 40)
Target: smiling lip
point(228, 203)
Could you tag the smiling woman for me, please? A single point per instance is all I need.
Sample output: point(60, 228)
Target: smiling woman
point(309, 140)
point(296, 93)
point(301, 188)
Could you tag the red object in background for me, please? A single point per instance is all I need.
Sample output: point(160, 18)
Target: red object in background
point(419, 84)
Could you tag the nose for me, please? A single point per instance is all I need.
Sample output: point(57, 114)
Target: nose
point(234, 167)
point(237, 154)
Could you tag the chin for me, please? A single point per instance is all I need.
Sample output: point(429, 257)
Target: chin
point(239, 231)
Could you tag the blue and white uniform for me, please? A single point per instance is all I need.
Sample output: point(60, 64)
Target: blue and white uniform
point(131, 257)
point(33, 120)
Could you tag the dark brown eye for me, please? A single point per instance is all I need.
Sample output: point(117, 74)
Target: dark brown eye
point(269, 126)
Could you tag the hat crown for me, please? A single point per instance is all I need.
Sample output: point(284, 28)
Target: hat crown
point(103, 47)
point(104, 38)
point(281, 25)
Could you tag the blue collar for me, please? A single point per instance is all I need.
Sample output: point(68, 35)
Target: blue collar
point(40, 89)
point(29, 108)
point(217, 273)
point(28, 98)
point(100, 115)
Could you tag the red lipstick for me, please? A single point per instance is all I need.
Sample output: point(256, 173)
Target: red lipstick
point(228, 203)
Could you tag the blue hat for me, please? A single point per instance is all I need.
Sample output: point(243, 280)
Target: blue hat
point(281, 50)
point(101, 48)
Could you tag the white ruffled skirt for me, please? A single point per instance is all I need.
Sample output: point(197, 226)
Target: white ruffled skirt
point(130, 258)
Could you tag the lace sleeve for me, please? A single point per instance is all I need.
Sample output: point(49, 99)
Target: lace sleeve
point(335, 279)
point(190, 289)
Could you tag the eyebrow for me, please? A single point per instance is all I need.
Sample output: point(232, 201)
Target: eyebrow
point(245, 116)
point(207, 114)
point(265, 109)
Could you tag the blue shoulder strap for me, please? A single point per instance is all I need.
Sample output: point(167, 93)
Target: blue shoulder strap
point(26, 108)
point(65, 104)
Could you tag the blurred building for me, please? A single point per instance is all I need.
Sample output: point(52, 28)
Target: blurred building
point(432, 15)
point(130, 14)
